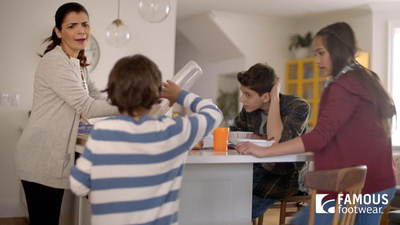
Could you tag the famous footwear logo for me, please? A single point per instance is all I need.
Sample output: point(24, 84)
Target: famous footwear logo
point(363, 202)
point(324, 207)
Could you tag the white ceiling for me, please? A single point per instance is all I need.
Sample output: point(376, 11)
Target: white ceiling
point(281, 8)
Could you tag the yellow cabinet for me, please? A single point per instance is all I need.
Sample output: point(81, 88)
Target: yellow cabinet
point(303, 80)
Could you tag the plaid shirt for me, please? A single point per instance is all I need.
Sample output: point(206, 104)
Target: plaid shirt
point(282, 179)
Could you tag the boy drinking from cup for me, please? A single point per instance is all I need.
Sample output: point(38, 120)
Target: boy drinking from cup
point(132, 164)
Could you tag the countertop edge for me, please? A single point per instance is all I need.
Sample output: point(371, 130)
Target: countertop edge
point(231, 156)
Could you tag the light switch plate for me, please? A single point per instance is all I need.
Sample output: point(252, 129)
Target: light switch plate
point(4, 99)
point(14, 100)
point(9, 99)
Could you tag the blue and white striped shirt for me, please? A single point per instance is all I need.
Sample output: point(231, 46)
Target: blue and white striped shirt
point(133, 169)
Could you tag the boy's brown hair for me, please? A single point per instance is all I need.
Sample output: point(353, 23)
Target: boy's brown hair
point(259, 78)
point(134, 84)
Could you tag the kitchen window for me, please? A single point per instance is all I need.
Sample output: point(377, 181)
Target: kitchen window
point(394, 77)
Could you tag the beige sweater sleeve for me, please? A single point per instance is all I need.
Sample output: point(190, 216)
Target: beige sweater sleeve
point(65, 81)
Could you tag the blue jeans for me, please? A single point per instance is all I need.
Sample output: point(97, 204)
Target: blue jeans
point(260, 205)
point(301, 218)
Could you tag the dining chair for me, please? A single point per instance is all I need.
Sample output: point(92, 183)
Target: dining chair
point(350, 180)
point(291, 205)
point(288, 207)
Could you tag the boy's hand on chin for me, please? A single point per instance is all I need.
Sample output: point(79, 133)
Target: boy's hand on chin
point(276, 88)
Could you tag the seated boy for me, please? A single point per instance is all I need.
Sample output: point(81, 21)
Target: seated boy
point(132, 164)
point(272, 116)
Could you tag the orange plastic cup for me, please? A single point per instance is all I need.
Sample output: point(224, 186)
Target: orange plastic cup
point(221, 135)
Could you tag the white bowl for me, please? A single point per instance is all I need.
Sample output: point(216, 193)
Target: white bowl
point(259, 142)
point(234, 135)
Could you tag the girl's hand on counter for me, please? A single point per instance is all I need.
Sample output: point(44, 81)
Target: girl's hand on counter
point(248, 148)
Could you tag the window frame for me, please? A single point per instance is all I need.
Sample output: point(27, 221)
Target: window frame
point(393, 29)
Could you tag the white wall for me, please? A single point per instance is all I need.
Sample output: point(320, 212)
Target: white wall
point(207, 85)
point(370, 25)
point(258, 39)
point(360, 19)
point(265, 39)
point(24, 24)
point(383, 13)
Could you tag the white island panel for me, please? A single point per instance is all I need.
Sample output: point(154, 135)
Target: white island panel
point(217, 194)
point(216, 188)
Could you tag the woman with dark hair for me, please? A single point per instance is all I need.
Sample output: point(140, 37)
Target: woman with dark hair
point(63, 92)
point(353, 125)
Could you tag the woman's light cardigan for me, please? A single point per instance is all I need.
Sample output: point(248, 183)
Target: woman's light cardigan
point(45, 151)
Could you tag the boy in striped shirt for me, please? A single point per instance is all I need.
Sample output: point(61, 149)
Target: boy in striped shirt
point(132, 164)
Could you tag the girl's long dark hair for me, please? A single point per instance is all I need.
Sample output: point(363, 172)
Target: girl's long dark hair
point(61, 13)
point(339, 40)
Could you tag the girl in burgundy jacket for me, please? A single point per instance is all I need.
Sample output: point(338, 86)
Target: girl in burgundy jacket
point(353, 125)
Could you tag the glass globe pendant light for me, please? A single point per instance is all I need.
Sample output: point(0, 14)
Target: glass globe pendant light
point(154, 11)
point(117, 33)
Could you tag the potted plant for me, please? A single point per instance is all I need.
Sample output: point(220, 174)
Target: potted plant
point(228, 102)
point(300, 44)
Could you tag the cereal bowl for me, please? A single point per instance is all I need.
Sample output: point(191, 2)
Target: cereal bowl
point(235, 135)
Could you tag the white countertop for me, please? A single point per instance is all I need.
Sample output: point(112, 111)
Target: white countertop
point(208, 156)
point(205, 156)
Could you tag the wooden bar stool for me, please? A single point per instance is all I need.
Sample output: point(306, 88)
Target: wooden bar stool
point(349, 180)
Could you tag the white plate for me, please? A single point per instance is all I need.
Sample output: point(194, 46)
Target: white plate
point(259, 142)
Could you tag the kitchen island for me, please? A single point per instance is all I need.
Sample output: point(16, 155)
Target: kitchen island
point(216, 188)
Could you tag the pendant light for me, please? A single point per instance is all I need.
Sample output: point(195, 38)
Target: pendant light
point(117, 33)
point(154, 11)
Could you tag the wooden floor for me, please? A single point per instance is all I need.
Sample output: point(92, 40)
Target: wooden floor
point(14, 221)
point(271, 217)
